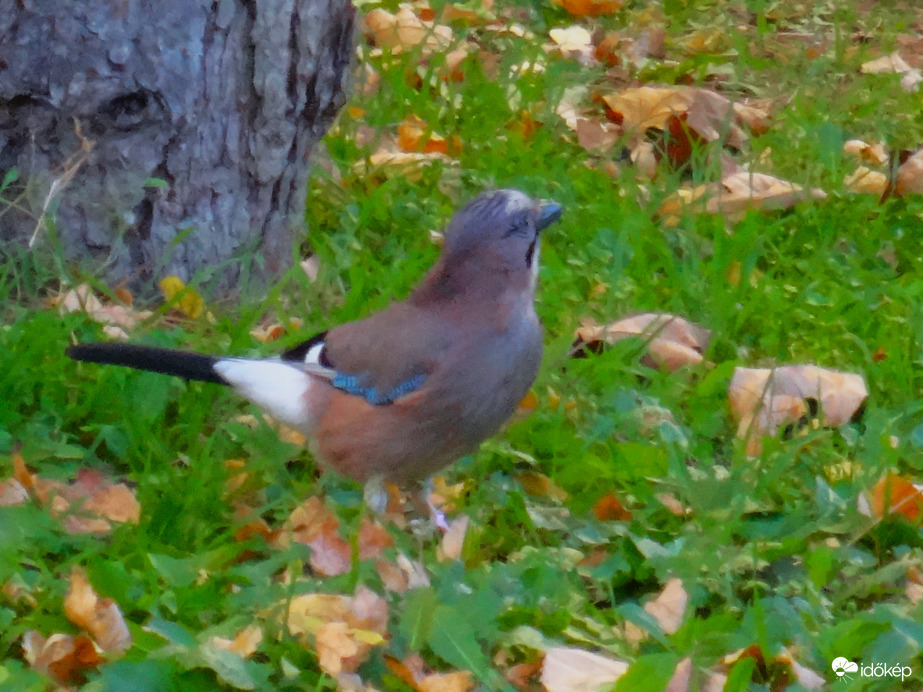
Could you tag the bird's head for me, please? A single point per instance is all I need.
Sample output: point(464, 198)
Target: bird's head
point(501, 228)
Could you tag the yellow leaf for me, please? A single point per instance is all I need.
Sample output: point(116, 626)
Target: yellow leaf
point(187, 300)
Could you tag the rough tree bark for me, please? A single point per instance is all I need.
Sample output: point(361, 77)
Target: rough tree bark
point(222, 99)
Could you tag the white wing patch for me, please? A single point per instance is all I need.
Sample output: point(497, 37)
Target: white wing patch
point(278, 388)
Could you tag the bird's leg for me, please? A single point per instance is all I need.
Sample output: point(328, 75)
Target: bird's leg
point(425, 505)
point(375, 495)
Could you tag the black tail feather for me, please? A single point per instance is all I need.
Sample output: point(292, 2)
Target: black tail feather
point(192, 366)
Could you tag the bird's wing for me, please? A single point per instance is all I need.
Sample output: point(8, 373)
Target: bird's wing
point(380, 358)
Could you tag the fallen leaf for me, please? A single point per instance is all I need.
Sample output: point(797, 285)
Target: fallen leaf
point(737, 193)
point(596, 136)
point(243, 644)
point(672, 341)
point(413, 136)
point(412, 672)
point(450, 547)
point(568, 669)
point(402, 575)
point(317, 526)
point(116, 319)
point(540, 485)
point(674, 506)
point(12, 492)
point(866, 181)
point(909, 179)
point(866, 153)
point(574, 42)
point(764, 399)
point(894, 63)
point(680, 110)
point(61, 656)
point(804, 676)
point(668, 607)
point(100, 617)
point(343, 629)
point(682, 677)
point(610, 508)
point(90, 494)
point(895, 494)
point(404, 30)
point(589, 8)
point(185, 298)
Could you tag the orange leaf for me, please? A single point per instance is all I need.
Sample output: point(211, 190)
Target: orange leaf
point(898, 495)
point(610, 508)
point(589, 8)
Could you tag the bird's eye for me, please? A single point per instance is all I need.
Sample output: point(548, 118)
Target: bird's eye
point(519, 226)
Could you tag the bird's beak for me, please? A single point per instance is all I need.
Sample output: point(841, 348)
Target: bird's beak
point(548, 213)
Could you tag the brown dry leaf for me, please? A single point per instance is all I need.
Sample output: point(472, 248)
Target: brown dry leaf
point(114, 501)
point(569, 108)
point(895, 494)
point(12, 492)
point(807, 678)
point(763, 399)
point(457, 681)
point(412, 672)
point(117, 319)
point(866, 181)
point(91, 494)
point(674, 506)
point(596, 136)
point(100, 617)
point(610, 508)
point(244, 643)
point(589, 8)
point(60, 656)
point(913, 589)
point(909, 180)
point(343, 629)
point(317, 526)
point(568, 669)
point(268, 333)
point(682, 677)
point(540, 485)
point(390, 162)
point(895, 64)
point(405, 30)
point(737, 193)
point(453, 13)
point(574, 42)
point(412, 136)
point(669, 606)
point(672, 341)
point(684, 111)
point(866, 153)
point(406, 574)
point(450, 547)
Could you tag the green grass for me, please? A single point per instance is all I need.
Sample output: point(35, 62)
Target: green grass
point(773, 551)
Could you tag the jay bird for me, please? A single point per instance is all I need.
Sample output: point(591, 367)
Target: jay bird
point(401, 394)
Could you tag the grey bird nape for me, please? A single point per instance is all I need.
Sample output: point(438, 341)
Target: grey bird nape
point(167, 361)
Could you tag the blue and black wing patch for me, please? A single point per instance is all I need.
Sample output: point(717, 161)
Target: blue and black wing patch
point(314, 352)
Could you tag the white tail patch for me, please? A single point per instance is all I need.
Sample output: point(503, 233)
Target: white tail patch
point(276, 387)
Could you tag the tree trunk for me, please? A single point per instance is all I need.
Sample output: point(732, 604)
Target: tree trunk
point(221, 100)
